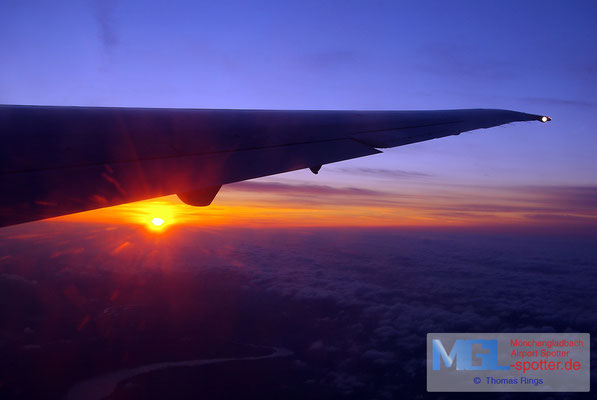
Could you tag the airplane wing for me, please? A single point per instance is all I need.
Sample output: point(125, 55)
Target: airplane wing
point(61, 160)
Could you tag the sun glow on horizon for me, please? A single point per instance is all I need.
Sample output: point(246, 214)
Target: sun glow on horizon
point(156, 215)
point(417, 207)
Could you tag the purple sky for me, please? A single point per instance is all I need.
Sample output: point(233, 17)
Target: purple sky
point(533, 56)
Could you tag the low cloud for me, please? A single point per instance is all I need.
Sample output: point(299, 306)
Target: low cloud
point(437, 204)
point(283, 188)
point(347, 301)
point(384, 173)
point(581, 198)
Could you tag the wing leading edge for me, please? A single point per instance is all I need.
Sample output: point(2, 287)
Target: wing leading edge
point(61, 160)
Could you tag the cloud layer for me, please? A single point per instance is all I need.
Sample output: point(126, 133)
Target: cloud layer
point(354, 305)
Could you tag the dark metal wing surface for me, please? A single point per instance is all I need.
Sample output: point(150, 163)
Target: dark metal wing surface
point(58, 160)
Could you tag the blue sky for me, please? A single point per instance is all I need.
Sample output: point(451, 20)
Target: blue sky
point(532, 56)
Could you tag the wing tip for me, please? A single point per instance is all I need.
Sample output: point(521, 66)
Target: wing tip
point(544, 118)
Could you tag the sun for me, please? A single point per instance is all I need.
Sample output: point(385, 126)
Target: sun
point(157, 221)
point(158, 224)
